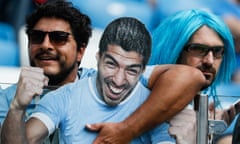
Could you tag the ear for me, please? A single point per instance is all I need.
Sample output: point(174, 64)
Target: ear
point(80, 53)
point(97, 56)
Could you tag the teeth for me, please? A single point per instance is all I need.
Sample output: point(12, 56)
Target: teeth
point(115, 90)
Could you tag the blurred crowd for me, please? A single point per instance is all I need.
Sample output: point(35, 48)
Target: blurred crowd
point(150, 12)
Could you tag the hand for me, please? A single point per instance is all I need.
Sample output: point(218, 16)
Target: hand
point(183, 127)
point(30, 84)
point(227, 115)
point(111, 133)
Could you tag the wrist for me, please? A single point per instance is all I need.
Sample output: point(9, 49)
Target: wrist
point(15, 106)
point(129, 129)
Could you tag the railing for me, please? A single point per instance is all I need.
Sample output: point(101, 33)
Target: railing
point(206, 128)
point(202, 120)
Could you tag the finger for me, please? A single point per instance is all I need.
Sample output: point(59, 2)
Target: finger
point(93, 127)
point(231, 113)
point(173, 131)
point(45, 81)
point(211, 107)
point(225, 116)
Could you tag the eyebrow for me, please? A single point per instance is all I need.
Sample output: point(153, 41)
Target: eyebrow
point(129, 66)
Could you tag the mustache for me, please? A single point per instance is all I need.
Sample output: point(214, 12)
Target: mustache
point(46, 53)
point(111, 82)
point(208, 69)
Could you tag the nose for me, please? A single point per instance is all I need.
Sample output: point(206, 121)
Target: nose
point(209, 58)
point(46, 42)
point(119, 77)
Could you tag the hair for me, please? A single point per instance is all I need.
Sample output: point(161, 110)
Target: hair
point(79, 22)
point(130, 34)
point(170, 37)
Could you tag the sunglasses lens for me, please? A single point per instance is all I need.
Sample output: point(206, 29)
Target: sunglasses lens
point(197, 50)
point(218, 52)
point(58, 37)
point(203, 50)
point(36, 36)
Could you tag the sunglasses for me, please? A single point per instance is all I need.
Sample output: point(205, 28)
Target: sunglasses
point(56, 37)
point(202, 50)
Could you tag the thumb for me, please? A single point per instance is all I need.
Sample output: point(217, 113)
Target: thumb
point(211, 107)
point(94, 127)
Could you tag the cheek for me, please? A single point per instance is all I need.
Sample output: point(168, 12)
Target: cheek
point(32, 51)
point(70, 55)
point(133, 80)
point(217, 64)
point(189, 60)
point(193, 62)
point(103, 73)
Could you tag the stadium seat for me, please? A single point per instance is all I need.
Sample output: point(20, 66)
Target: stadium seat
point(9, 51)
point(104, 11)
point(228, 94)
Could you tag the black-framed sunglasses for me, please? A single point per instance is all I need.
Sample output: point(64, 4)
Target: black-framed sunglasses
point(202, 50)
point(55, 37)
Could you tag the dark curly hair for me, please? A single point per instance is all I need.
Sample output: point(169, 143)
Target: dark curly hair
point(79, 22)
point(129, 33)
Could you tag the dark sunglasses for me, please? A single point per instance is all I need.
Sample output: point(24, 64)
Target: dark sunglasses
point(202, 50)
point(55, 37)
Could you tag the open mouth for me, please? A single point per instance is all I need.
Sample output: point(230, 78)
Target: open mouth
point(115, 90)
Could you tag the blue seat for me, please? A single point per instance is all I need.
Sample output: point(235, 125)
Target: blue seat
point(219, 7)
point(9, 51)
point(223, 7)
point(7, 32)
point(104, 11)
point(168, 7)
point(228, 94)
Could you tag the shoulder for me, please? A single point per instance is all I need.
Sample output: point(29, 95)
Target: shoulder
point(86, 72)
point(9, 92)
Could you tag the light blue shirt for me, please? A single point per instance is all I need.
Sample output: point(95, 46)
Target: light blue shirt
point(7, 95)
point(73, 106)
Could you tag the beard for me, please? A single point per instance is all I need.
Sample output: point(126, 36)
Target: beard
point(57, 79)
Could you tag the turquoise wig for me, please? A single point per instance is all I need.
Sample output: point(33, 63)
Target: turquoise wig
point(173, 33)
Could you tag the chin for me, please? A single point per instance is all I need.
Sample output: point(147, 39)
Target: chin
point(50, 71)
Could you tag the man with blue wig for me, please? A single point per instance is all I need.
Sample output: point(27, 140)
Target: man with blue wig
point(199, 39)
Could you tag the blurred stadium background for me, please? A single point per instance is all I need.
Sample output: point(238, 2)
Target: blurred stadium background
point(13, 40)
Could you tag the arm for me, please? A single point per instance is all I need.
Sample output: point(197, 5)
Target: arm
point(172, 90)
point(173, 87)
point(30, 84)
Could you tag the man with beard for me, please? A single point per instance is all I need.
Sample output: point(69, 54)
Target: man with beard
point(109, 95)
point(58, 35)
point(199, 39)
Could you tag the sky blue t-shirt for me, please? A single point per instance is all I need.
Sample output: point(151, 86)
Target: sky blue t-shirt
point(73, 106)
point(7, 95)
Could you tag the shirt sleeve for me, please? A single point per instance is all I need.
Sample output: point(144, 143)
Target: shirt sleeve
point(6, 96)
point(86, 72)
point(52, 108)
point(146, 75)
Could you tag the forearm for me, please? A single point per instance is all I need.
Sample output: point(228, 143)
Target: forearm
point(13, 128)
point(170, 94)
